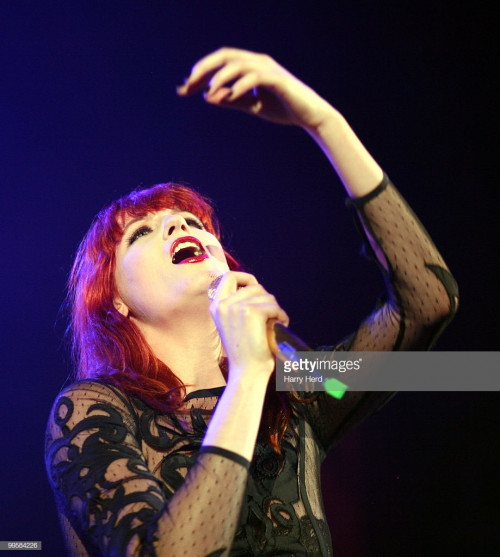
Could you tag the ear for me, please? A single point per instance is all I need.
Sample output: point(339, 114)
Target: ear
point(121, 306)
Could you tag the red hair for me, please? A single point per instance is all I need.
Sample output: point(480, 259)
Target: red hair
point(108, 346)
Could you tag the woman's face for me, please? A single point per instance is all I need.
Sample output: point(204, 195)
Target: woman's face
point(165, 262)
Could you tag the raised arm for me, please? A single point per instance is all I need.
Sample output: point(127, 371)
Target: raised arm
point(421, 293)
point(257, 84)
point(421, 300)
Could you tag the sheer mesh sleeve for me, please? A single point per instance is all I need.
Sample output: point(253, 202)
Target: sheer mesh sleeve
point(110, 502)
point(421, 293)
point(421, 299)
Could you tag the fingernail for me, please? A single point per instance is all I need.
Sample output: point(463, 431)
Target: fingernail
point(209, 91)
point(183, 84)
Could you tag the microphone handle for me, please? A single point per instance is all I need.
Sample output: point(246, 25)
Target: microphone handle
point(284, 344)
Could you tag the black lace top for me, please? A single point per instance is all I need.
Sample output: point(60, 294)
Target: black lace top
point(131, 481)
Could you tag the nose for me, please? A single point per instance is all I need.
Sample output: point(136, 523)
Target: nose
point(172, 224)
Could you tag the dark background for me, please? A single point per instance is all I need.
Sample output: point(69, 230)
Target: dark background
point(88, 111)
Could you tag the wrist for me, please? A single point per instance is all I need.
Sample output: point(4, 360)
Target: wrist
point(328, 120)
point(235, 422)
point(251, 381)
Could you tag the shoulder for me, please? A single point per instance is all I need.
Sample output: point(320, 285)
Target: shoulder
point(90, 400)
point(92, 389)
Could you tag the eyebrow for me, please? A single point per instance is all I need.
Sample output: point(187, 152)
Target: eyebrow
point(131, 222)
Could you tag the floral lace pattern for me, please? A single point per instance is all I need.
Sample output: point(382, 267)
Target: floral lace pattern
point(130, 481)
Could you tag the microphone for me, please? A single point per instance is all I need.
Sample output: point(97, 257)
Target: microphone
point(284, 344)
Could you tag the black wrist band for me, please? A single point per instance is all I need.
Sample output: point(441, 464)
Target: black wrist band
point(227, 454)
point(360, 201)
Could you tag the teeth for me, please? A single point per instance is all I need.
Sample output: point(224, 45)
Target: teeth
point(185, 250)
point(188, 244)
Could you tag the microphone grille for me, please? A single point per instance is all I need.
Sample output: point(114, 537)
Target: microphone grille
point(213, 287)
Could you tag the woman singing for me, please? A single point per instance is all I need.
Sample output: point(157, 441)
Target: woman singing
point(172, 440)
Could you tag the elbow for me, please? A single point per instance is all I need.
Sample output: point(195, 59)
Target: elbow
point(452, 307)
point(446, 307)
point(444, 311)
point(424, 330)
point(434, 315)
point(446, 304)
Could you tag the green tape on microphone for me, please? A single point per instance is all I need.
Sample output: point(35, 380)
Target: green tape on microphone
point(335, 388)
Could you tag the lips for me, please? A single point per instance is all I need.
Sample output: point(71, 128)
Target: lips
point(187, 249)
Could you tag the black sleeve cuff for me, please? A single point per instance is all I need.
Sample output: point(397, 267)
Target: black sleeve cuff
point(226, 454)
point(360, 201)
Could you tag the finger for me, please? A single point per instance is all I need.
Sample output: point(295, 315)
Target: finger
point(249, 295)
point(246, 84)
point(190, 87)
point(225, 75)
point(253, 298)
point(214, 60)
point(247, 103)
point(218, 97)
point(272, 311)
point(275, 312)
point(231, 281)
point(204, 69)
point(242, 95)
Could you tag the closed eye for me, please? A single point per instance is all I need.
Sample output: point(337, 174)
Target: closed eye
point(190, 221)
point(141, 231)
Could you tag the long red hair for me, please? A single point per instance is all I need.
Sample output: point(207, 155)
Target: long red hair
point(108, 346)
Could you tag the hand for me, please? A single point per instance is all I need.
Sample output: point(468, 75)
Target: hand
point(255, 83)
point(241, 309)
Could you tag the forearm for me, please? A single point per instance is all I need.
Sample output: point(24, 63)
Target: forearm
point(356, 168)
point(236, 420)
point(202, 516)
point(211, 496)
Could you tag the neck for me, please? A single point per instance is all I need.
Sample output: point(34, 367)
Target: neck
point(191, 349)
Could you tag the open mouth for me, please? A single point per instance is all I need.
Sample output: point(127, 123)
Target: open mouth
point(187, 249)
